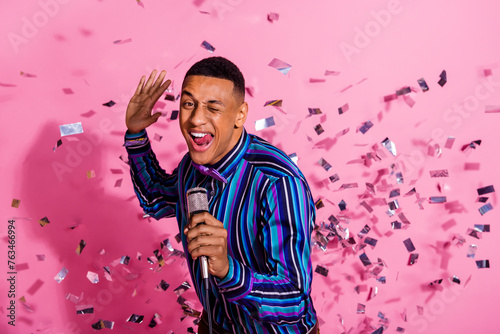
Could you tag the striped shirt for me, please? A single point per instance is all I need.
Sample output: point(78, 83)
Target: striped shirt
point(268, 211)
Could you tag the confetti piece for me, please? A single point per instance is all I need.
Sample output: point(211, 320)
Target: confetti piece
point(61, 275)
point(321, 270)
point(349, 186)
point(280, 65)
point(294, 158)
point(365, 127)
point(93, 277)
point(323, 163)
point(271, 17)
point(44, 221)
point(116, 171)
point(344, 108)
point(364, 259)
point(314, 111)
point(394, 193)
point(84, 309)
point(27, 75)
point(174, 115)
point(319, 204)
point(482, 228)
point(73, 298)
point(485, 208)
point(80, 247)
point(423, 85)
point(140, 4)
point(360, 309)
point(90, 174)
point(409, 245)
point(485, 190)
point(435, 282)
point(471, 253)
point(455, 279)
point(182, 288)
point(71, 129)
point(101, 324)
point(409, 101)
point(122, 41)
point(163, 285)
point(342, 205)
point(59, 143)
point(492, 109)
point(125, 259)
point(333, 178)
point(394, 205)
point(443, 78)
point(67, 91)
point(370, 241)
point(314, 80)
point(157, 137)
point(439, 173)
point(15, 203)
point(40, 257)
point(474, 233)
point(319, 129)
point(413, 259)
point(403, 91)
point(366, 206)
point(390, 97)
point(331, 73)
point(364, 231)
point(390, 146)
point(155, 321)
point(170, 97)
point(207, 46)
point(437, 199)
point(420, 310)
point(137, 319)
point(276, 103)
point(109, 104)
point(449, 142)
point(264, 123)
point(481, 264)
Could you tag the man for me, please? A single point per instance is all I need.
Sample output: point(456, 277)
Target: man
point(256, 235)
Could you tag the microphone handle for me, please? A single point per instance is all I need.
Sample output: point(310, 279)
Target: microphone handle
point(204, 266)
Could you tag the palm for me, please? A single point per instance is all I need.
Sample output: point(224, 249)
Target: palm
point(138, 116)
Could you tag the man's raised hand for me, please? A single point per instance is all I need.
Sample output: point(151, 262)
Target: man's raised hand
point(138, 116)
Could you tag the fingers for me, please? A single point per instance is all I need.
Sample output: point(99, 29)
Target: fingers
point(139, 86)
point(206, 218)
point(149, 83)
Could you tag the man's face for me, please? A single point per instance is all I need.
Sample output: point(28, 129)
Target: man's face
point(211, 117)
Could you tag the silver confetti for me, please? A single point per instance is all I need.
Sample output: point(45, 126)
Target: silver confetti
point(71, 129)
point(390, 146)
point(264, 123)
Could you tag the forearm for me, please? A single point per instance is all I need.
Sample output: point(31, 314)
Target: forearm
point(155, 189)
point(272, 298)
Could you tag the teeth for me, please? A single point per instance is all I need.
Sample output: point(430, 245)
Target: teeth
point(198, 135)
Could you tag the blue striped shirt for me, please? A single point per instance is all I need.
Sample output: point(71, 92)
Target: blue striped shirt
point(268, 211)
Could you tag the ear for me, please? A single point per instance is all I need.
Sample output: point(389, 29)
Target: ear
point(241, 115)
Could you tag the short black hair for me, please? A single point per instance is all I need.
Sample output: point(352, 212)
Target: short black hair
point(221, 68)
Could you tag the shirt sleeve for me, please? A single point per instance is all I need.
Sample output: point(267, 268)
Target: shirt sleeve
point(156, 190)
point(281, 296)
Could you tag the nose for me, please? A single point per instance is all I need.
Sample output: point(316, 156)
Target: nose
point(198, 116)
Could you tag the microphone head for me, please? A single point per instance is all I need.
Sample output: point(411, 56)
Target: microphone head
point(197, 201)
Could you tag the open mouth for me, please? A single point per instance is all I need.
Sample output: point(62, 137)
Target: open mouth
point(201, 139)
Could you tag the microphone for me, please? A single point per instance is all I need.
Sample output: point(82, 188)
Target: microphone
point(197, 202)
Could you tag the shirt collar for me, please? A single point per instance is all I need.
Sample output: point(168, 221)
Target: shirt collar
point(226, 165)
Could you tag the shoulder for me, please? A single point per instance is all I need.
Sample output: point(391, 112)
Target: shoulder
point(270, 160)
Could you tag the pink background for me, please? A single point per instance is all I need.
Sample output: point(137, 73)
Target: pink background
point(377, 46)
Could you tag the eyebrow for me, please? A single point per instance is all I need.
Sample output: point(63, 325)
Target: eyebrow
point(208, 102)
